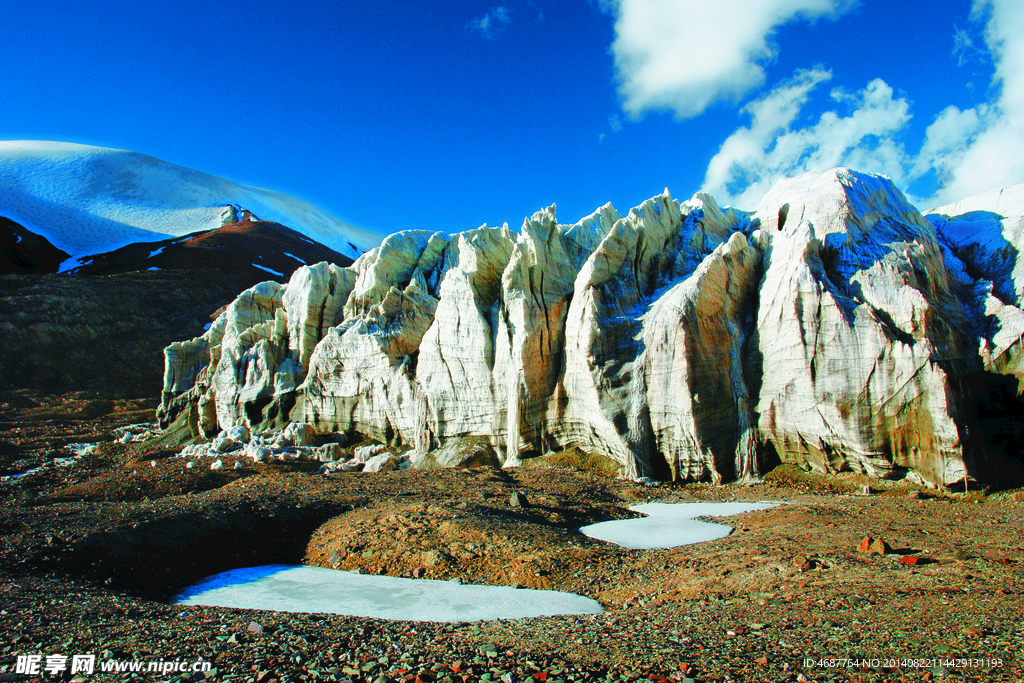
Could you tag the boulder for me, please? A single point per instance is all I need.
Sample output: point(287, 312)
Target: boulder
point(364, 453)
point(299, 434)
point(257, 451)
point(460, 453)
point(330, 452)
point(223, 444)
point(383, 462)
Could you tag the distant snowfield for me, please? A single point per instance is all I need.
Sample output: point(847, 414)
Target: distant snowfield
point(669, 525)
point(1004, 201)
point(286, 588)
point(87, 200)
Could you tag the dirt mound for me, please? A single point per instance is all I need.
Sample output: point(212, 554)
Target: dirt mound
point(259, 250)
point(487, 542)
point(23, 251)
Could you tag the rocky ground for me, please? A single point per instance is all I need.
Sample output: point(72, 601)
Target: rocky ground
point(92, 550)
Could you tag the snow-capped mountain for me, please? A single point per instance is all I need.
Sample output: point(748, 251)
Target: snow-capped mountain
point(85, 200)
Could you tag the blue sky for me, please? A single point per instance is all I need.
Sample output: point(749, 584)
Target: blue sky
point(449, 116)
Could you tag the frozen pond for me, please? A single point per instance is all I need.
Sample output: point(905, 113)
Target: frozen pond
point(668, 525)
point(289, 588)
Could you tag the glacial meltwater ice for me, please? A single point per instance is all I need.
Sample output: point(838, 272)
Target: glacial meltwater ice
point(290, 588)
point(668, 525)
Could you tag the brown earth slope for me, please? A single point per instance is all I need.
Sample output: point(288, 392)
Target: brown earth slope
point(102, 328)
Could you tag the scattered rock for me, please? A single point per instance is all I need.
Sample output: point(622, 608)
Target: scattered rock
point(518, 500)
point(879, 547)
point(223, 444)
point(217, 465)
point(865, 544)
point(254, 627)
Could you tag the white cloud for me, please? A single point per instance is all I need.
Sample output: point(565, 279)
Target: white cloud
point(946, 142)
point(685, 55)
point(753, 158)
point(970, 151)
point(991, 136)
point(492, 23)
point(964, 48)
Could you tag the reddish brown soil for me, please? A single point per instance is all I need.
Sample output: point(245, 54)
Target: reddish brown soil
point(89, 555)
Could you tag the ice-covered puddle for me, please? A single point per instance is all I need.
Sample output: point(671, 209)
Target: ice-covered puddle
point(668, 525)
point(290, 588)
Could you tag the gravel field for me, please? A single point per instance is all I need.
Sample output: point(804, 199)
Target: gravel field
point(92, 551)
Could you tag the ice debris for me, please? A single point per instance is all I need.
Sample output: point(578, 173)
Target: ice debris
point(296, 441)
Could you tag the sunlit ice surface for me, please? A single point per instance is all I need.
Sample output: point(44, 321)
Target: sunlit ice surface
point(290, 588)
point(669, 525)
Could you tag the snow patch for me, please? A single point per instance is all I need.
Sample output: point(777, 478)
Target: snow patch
point(153, 268)
point(72, 263)
point(269, 270)
point(296, 258)
point(287, 588)
point(669, 525)
point(156, 253)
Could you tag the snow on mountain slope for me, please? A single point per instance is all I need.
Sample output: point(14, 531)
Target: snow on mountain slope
point(86, 200)
point(1006, 201)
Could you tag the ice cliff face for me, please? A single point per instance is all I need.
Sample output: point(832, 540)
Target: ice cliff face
point(835, 327)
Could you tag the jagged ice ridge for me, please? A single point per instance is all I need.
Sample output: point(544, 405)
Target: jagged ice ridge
point(835, 327)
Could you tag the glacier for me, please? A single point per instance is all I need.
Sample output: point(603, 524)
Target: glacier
point(834, 327)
